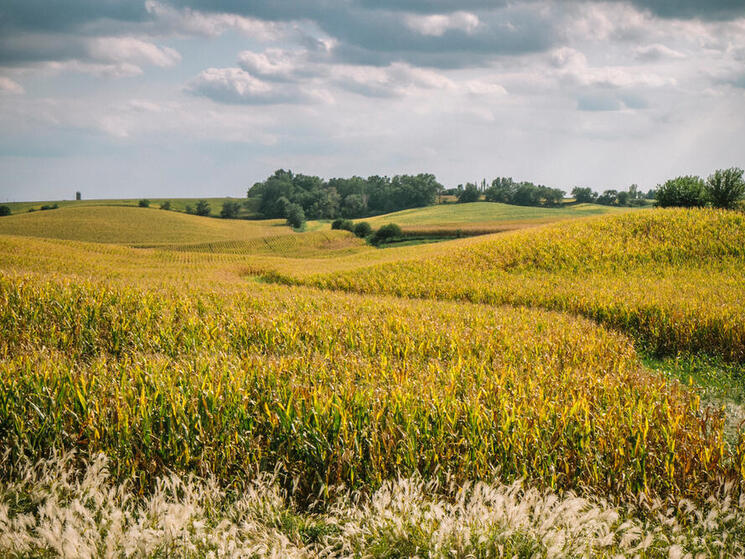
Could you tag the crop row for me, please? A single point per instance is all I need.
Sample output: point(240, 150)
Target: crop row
point(672, 279)
point(333, 388)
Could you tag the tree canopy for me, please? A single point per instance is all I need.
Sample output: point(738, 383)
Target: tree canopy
point(343, 197)
point(507, 191)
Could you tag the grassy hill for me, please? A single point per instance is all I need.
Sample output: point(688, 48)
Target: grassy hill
point(673, 279)
point(133, 225)
point(484, 217)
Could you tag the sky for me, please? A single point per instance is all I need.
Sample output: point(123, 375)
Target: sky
point(191, 98)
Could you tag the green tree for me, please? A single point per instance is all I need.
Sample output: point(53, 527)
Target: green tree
point(687, 191)
point(469, 194)
point(584, 195)
point(608, 198)
point(362, 229)
point(230, 209)
point(4, 210)
point(725, 187)
point(295, 216)
point(166, 205)
point(386, 234)
point(203, 208)
point(527, 194)
point(144, 203)
point(354, 205)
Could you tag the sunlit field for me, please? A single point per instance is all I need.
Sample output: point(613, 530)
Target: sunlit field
point(172, 385)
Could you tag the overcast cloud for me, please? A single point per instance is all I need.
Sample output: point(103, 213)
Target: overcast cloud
point(204, 97)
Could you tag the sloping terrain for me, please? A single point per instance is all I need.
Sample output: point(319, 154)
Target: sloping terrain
point(484, 217)
point(133, 225)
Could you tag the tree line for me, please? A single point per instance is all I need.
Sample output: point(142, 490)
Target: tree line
point(286, 193)
point(507, 191)
point(724, 188)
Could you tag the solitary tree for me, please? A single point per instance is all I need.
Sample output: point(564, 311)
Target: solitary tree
point(165, 205)
point(4, 210)
point(725, 187)
point(203, 208)
point(362, 229)
point(295, 215)
point(144, 203)
point(230, 210)
point(386, 233)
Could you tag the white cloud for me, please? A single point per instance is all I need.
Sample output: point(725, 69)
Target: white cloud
point(479, 87)
point(131, 50)
point(236, 86)
point(655, 52)
point(394, 80)
point(273, 63)
point(118, 70)
point(572, 66)
point(194, 22)
point(437, 24)
point(10, 86)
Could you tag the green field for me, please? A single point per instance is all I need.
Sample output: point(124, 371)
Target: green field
point(177, 204)
point(172, 385)
point(488, 212)
point(484, 217)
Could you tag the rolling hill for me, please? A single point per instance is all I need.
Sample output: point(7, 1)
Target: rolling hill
point(484, 217)
point(133, 225)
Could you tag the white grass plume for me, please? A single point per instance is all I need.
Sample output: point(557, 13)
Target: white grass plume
point(54, 509)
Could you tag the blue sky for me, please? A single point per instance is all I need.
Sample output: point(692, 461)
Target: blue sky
point(205, 97)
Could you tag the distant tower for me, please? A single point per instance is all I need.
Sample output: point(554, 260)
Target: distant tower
point(77, 195)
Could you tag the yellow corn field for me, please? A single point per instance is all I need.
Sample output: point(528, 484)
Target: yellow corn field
point(467, 360)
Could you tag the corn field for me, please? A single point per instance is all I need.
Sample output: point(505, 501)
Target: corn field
point(507, 359)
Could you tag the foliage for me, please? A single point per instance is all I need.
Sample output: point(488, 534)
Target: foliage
point(686, 191)
point(202, 208)
point(584, 195)
point(524, 193)
point(362, 229)
point(166, 205)
point(469, 194)
point(4, 210)
point(353, 197)
point(230, 209)
point(386, 234)
point(344, 224)
point(725, 187)
point(608, 198)
point(144, 203)
point(294, 215)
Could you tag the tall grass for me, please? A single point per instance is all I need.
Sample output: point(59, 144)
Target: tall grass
point(57, 509)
